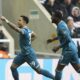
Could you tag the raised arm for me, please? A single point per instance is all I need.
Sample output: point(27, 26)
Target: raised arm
point(13, 26)
point(66, 37)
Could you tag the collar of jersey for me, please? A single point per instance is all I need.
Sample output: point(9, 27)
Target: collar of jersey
point(25, 27)
point(60, 22)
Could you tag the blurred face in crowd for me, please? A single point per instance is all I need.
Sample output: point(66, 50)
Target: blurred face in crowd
point(67, 2)
point(76, 12)
point(70, 23)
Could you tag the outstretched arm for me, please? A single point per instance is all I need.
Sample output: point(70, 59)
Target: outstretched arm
point(13, 26)
point(51, 40)
point(67, 39)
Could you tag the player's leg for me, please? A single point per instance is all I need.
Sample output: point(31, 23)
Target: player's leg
point(32, 61)
point(75, 62)
point(18, 60)
point(43, 72)
point(76, 67)
point(63, 61)
point(14, 71)
point(58, 71)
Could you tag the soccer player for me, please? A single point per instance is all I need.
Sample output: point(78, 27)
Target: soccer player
point(27, 52)
point(69, 49)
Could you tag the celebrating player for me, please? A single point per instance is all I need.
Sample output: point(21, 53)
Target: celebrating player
point(27, 52)
point(69, 49)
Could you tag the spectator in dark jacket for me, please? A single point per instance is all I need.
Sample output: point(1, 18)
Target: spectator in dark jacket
point(49, 5)
point(78, 4)
point(68, 5)
point(53, 5)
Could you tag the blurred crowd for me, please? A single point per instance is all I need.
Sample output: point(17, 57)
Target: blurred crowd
point(70, 10)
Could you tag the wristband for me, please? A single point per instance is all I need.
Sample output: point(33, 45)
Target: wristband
point(7, 21)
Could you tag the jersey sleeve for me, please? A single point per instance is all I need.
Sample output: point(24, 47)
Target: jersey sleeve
point(24, 31)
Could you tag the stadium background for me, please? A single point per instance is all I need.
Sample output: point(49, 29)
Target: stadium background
point(39, 23)
point(12, 9)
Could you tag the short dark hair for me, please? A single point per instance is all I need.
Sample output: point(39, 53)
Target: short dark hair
point(25, 18)
point(58, 14)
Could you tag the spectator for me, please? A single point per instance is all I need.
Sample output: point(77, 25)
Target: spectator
point(49, 5)
point(78, 4)
point(53, 5)
point(61, 1)
point(68, 5)
point(74, 2)
point(58, 6)
point(74, 32)
point(76, 14)
point(73, 27)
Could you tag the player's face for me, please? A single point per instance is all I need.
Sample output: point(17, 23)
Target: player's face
point(20, 22)
point(54, 19)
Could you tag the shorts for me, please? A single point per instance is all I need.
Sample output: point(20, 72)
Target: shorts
point(69, 57)
point(30, 58)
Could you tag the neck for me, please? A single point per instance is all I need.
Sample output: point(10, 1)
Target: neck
point(25, 25)
point(58, 22)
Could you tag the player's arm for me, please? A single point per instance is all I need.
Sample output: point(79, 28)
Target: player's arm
point(33, 36)
point(66, 37)
point(13, 26)
point(66, 40)
point(51, 40)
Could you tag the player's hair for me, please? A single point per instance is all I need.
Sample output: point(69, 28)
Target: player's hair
point(58, 14)
point(25, 18)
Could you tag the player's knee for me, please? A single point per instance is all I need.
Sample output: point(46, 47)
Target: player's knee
point(38, 70)
point(13, 68)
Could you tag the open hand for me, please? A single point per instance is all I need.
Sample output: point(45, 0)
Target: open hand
point(3, 18)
